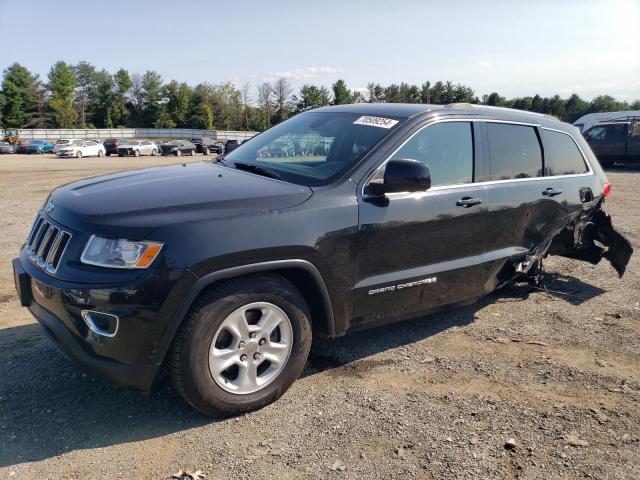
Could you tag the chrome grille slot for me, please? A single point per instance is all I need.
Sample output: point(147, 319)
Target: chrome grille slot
point(35, 246)
point(58, 248)
point(46, 244)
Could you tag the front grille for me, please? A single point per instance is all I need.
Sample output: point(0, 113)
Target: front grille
point(46, 244)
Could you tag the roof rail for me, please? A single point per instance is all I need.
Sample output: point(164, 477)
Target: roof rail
point(492, 107)
point(625, 118)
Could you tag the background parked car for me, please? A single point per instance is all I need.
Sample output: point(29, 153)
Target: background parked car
point(208, 145)
point(111, 145)
point(137, 148)
point(178, 148)
point(65, 142)
point(87, 148)
point(616, 141)
point(35, 146)
point(6, 147)
point(231, 145)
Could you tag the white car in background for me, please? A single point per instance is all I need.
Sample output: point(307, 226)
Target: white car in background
point(65, 142)
point(85, 148)
point(137, 148)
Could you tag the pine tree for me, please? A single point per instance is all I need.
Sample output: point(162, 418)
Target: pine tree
point(62, 84)
point(341, 93)
point(19, 89)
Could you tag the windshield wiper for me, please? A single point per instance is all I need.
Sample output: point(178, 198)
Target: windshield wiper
point(257, 169)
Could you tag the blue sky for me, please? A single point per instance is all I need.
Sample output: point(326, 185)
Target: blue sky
point(514, 47)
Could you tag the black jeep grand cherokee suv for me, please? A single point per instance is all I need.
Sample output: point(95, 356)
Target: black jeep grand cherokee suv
point(220, 272)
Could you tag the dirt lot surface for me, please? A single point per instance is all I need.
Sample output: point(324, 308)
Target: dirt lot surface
point(525, 384)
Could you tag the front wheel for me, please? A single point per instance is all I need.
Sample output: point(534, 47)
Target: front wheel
point(178, 153)
point(100, 153)
point(154, 152)
point(78, 154)
point(136, 153)
point(193, 153)
point(242, 345)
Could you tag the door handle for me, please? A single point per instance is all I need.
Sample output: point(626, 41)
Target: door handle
point(467, 202)
point(552, 192)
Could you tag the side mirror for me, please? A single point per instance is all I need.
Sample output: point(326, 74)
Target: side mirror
point(403, 175)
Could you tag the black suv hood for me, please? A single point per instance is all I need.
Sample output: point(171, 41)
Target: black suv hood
point(136, 202)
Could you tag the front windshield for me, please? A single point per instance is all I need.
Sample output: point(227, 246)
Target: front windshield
point(316, 147)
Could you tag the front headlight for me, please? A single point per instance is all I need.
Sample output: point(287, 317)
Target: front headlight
point(119, 253)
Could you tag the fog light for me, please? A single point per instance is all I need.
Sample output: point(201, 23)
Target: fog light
point(100, 323)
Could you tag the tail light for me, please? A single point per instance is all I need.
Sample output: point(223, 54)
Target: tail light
point(607, 190)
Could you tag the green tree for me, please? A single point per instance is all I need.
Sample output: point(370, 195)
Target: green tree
point(19, 89)
point(85, 93)
point(575, 107)
point(153, 111)
point(311, 97)
point(200, 113)
point(119, 113)
point(178, 97)
point(62, 84)
point(494, 99)
point(103, 101)
point(341, 93)
point(604, 103)
point(375, 92)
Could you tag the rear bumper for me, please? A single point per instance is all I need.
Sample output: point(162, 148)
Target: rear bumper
point(144, 306)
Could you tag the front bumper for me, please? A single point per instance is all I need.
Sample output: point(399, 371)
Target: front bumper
point(65, 154)
point(145, 307)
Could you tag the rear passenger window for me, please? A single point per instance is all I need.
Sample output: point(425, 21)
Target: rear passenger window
point(561, 154)
point(514, 151)
point(447, 148)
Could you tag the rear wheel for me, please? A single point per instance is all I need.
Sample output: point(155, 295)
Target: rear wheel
point(136, 153)
point(241, 346)
point(193, 153)
point(100, 153)
point(205, 151)
point(78, 154)
point(154, 152)
point(108, 154)
point(178, 153)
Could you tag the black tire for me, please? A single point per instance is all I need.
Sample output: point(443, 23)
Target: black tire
point(193, 153)
point(178, 153)
point(154, 152)
point(188, 359)
point(78, 154)
point(136, 153)
point(108, 154)
point(205, 151)
point(120, 154)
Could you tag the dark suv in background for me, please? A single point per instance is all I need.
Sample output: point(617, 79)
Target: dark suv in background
point(111, 145)
point(220, 273)
point(206, 145)
point(616, 141)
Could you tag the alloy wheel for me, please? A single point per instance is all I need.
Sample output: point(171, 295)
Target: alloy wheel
point(250, 348)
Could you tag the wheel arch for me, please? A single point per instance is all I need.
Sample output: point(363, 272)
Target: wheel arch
point(302, 273)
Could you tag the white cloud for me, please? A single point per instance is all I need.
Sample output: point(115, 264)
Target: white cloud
point(485, 64)
point(307, 73)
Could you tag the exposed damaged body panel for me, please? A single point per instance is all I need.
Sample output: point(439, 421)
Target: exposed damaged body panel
point(592, 238)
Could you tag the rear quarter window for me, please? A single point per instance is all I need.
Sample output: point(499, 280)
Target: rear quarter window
point(561, 154)
point(514, 151)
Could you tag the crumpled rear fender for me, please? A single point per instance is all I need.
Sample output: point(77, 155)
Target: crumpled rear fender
point(592, 238)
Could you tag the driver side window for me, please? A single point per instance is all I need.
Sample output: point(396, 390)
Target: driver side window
point(446, 148)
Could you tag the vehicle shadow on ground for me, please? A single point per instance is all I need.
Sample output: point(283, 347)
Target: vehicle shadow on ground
point(49, 407)
point(326, 354)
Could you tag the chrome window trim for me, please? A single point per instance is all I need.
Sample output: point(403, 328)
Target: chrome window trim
point(473, 184)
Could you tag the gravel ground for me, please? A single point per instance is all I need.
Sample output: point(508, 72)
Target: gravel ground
point(524, 384)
